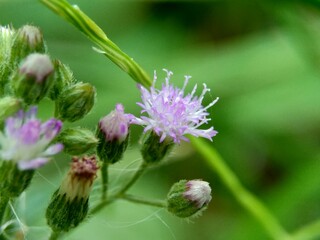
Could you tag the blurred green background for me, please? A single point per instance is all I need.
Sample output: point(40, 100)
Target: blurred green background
point(262, 58)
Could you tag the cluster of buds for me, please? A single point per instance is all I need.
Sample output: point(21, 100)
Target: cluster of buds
point(28, 75)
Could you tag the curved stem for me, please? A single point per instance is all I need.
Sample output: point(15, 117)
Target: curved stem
point(141, 200)
point(250, 202)
point(135, 177)
point(122, 191)
point(54, 235)
point(100, 206)
point(104, 175)
point(88, 27)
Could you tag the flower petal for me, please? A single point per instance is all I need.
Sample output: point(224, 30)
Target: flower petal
point(33, 164)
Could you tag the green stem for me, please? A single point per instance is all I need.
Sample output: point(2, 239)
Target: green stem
point(54, 235)
point(104, 175)
point(141, 200)
point(135, 177)
point(100, 206)
point(89, 28)
point(242, 195)
point(308, 232)
point(3, 205)
point(122, 191)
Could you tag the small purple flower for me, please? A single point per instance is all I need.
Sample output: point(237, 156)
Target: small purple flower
point(115, 125)
point(26, 140)
point(172, 113)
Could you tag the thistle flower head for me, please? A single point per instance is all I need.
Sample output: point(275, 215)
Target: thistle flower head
point(37, 66)
point(6, 39)
point(26, 140)
point(69, 205)
point(199, 192)
point(31, 35)
point(80, 177)
point(173, 114)
point(113, 135)
point(189, 198)
point(115, 125)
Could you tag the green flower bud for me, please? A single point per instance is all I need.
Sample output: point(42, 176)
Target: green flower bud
point(6, 39)
point(113, 134)
point(77, 141)
point(153, 150)
point(34, 78)
point(63, 77)
point(8, 107)
point(28, 40)
point(13, 181)
point(188, 198)
point(75, 101)
point(69, 204)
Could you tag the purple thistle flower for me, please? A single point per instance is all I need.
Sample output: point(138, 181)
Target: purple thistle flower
point(115, 125)
point(26, 140)
point(172, 113)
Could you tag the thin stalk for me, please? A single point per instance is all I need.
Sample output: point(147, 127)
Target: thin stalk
point(100, 206)
point(3, 205)
point(104, 176)
point(122, 191)
point(250, 202)
point(141, 200)
point(54, 235)
point(135, 177)
point(89, 28)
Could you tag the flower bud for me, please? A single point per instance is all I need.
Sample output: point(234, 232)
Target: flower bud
point(153, 150)
point(34, 78)
point(28, 40)
point(8, 107)
point(75, 101)
point(6, 39)
point(188, 198)
point(77, 141)
point(63, 77)
point(113, 134)
point(69, 204)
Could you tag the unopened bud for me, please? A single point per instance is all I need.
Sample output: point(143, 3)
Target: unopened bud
point(69, 204)
point(188, 198)
point(75, 101)
point(34, 78)
point(77, 141)
point(6, 40)
point(113, 134)
point(8, 107)
point(63, 77)
point(28, 40)
point(153, 150)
